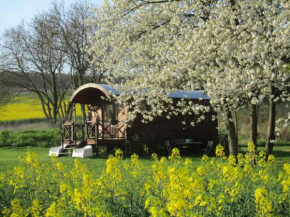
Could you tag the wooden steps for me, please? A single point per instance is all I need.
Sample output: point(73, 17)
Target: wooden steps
point(65, 153)
point(91, 142)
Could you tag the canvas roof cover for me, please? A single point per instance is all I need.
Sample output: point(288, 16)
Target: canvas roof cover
point(93, 93)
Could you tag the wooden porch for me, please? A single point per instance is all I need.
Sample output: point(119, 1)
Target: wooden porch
point(97, 134)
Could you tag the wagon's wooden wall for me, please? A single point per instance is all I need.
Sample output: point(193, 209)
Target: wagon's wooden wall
point(162, 128)
point(173, 128)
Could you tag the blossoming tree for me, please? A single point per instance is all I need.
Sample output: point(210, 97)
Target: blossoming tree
point(234, 50)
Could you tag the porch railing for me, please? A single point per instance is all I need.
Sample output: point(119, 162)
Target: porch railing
point(73, 133)
point(67, 134)
point(109, 130)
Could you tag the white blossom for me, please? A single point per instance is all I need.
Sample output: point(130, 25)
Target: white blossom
point(154, 49)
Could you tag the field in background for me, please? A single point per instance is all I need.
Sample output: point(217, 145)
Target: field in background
point(25, 106)
point(22, 107)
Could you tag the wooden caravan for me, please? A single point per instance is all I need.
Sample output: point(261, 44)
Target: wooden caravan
point(105, 124)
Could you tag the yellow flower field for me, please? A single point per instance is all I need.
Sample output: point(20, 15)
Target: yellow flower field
point(169, 187)
point(23, 107)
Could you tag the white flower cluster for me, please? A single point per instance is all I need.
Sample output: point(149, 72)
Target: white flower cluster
point(234, 50)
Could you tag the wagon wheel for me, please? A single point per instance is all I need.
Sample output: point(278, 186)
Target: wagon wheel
point(92, 107)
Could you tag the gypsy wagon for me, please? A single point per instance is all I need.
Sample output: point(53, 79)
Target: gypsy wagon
point(106, 121)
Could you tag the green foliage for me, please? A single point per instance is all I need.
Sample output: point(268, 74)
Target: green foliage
point(5, 138)
point(149, 142)
point(137, 146)
point(33, 138)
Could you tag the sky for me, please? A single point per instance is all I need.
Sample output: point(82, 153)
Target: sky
point(12, 12)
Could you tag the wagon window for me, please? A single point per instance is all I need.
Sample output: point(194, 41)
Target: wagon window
point(110, 112)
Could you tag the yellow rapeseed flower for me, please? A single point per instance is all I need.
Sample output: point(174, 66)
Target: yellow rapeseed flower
point(36, 208)
point(251, 147)
point(286, 168)
point(52, 211)
point(119, 153)
point(17, 208)
point(219, 151)
point(154, 156)
point(263, 203)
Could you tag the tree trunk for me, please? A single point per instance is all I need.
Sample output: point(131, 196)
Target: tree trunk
point(232, 136)
point(83, 108)
point(80, 74)
point(254, 124)
point(68, 114)
point(236, 123)
point(61, 112)
point(49, 111)
point(271, 124)
point(55, 98)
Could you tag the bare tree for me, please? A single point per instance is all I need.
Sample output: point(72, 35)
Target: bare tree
point(6, 92)
point(74, 34)
point(35, 61)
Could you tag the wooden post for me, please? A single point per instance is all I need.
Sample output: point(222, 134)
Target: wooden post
point(72, 133)
point(103, 122)
point(96, 136)
point(74, 124)
point(126, 138)
point(75, 113)
point(62, 133)
point(126, 147)
point(86, 130)
point(97, 129)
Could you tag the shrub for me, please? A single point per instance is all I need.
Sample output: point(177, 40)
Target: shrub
point(34, 138)
point(137, 146)
point(5, 138)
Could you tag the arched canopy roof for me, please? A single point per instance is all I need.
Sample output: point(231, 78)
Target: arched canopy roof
point(92, 93)
point(193, 94)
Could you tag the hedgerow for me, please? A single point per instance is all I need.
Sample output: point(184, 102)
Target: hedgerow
point(34, 138)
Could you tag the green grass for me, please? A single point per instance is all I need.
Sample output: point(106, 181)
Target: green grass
point(10, 157)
